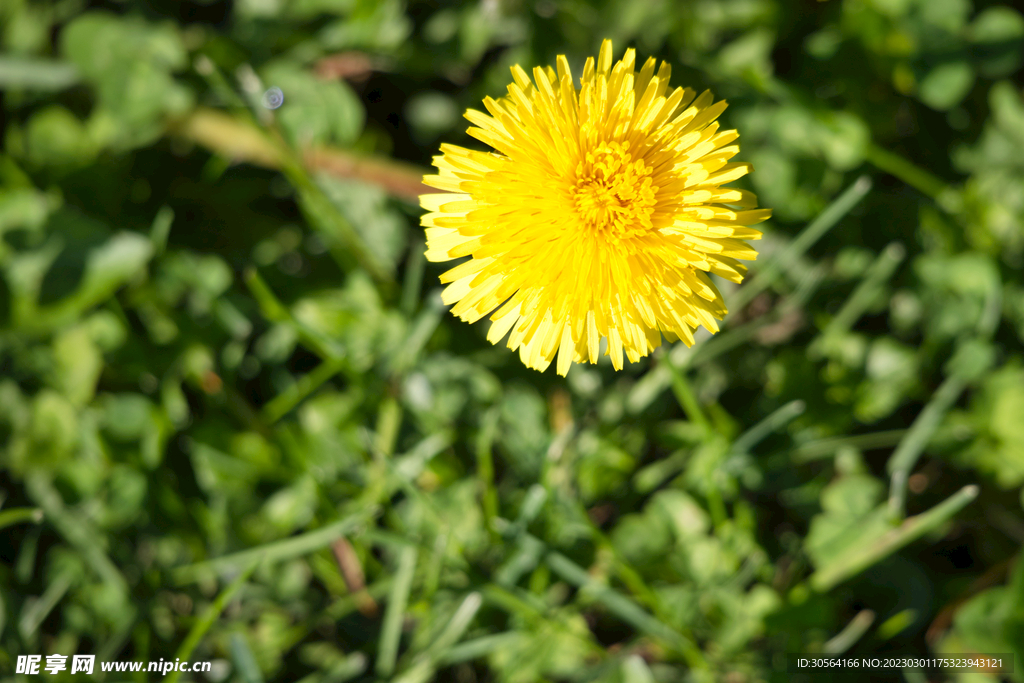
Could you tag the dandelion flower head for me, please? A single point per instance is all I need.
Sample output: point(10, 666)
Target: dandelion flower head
point(599, 214)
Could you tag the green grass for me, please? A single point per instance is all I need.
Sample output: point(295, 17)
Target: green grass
point(237, 423)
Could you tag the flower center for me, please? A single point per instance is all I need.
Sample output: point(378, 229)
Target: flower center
point(613, 194)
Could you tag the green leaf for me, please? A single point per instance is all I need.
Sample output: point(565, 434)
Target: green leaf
point(24, 208)
point(996, 410)
point(997, 34)
point(892, 375)
point(36, 74)
point(749, 55)
point(126, 496)
point(850, 522)
point(107, 268)
point(85, 42)
point(844, 139)
point(52, 435)
point(635, 670)
point(643, 539)
point(129, 62)
point(79, 364)
point(431, 113)
point(314, 112)
point(245, 661)
point(380, 25)
point(991, 621)
point(382, 229)
point(602, 466)
point(853, 496)
point(946, 85)
point(876, 539)
point(972, 360)
point(947, 15)
point(127, 416)
point(292, 508)
point(55, 137)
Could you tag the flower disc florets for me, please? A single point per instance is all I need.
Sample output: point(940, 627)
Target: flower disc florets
point(599, 215)
point(614, 195)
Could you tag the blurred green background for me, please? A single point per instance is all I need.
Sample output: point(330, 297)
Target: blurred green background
point(238, 425)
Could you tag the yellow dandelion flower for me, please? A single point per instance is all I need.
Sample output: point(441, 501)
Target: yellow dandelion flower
point(599, 215)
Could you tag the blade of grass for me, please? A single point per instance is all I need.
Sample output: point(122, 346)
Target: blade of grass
point(351, 569)
point(231, 319)
point(533, 502)
point(237, 139)
point(247, 137)
point(918, 178)
point(345, 605)
point(992, 312)
point(456, 627)
point(420, 672)
point(825, 221)
point(858, 559)
point(897, 624)
point(632, 579)
point(75, 530)
point(532, 610)
point(773, 422)
point(300, 390)
point(389, 421)
point(524, 558)
point(209, 617)
point(394, 613)
point(526, 606)
point(654, 475)
point(161, 229)
point(142, 638)
point(826, 448)
point(420, 333)
point(344, 242)
point(477, 648)
point(401, 180)
point(625, 609)
point(35, 611)
point(485, 466)
point(351, 667)
point(432, 580)
point(274, 552)
point(879, 273)
point(354, 665)
point(252, 89)
point(222, 88)
point(850, 634)
point(19, 515)
point(117, 640)
point(415, 264)
point(903, 459)
point(706, 347)
point(734, 337)
point(410, 465)
point(275, 311)
point(686, 398)
point(245, 662)
point(24, 566)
